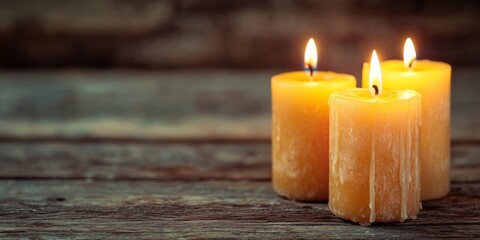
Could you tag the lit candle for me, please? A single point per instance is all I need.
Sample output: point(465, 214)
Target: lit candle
point(300, 129)
point(374, 152)
point(432, 80)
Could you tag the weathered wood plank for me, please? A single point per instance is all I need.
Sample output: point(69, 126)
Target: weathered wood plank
point(228, 229)
point(207, 209)
point(135, 104)
point(178, 160)
point(136, 161)
point(166, 105)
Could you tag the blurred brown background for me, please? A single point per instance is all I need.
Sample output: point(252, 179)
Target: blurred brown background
point(201, 69)
point(247, 34)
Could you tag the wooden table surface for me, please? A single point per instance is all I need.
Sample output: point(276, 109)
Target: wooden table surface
point(128, 154)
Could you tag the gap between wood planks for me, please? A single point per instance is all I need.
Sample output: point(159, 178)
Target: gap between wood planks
point(140, 179)
point(186, 180)
point(120, 140)
point(192, 141)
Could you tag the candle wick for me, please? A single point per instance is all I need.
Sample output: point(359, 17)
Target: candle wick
point(310, 68)
point(376, 89)
point(410, 64)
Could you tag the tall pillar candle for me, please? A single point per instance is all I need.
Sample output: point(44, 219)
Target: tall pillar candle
point(432, 80)
point(374, 154)
point(300, 130)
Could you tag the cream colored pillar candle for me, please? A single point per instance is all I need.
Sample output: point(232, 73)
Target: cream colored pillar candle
point(374, 153)
point(432, 80)
point(300, 129)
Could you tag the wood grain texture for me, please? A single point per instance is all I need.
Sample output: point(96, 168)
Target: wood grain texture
point(136, 161)
point(122, 155)
point(167, 161)
point(133, 104)
point(168, 105)
point(193, 190)
point(207, 209)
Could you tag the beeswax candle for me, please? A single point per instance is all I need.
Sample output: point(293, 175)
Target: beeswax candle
point(374, 153)
point(432, 80)
point(300, 129)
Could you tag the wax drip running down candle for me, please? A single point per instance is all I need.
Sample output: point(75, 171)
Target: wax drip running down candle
point(375, 78)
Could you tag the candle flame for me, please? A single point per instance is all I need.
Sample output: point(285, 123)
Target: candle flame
point(311, 56)
point(375, 78)
point(409, 54)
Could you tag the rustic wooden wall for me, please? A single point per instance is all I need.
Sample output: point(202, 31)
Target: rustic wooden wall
point(246, 34)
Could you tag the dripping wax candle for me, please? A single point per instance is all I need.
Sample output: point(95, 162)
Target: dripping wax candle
point(374, 151)
point(432, 80)
point(300, 129)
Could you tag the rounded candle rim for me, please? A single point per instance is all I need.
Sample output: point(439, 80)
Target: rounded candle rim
point(319, 79)
point(389, 95)
point(391, 66)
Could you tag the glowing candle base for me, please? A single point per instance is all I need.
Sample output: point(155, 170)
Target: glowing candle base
point(432, 80)
point(374, 155)
point(300, 132)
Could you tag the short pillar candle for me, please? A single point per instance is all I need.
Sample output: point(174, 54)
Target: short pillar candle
point(374, 154)
point(300, 129)
point(432, 80)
